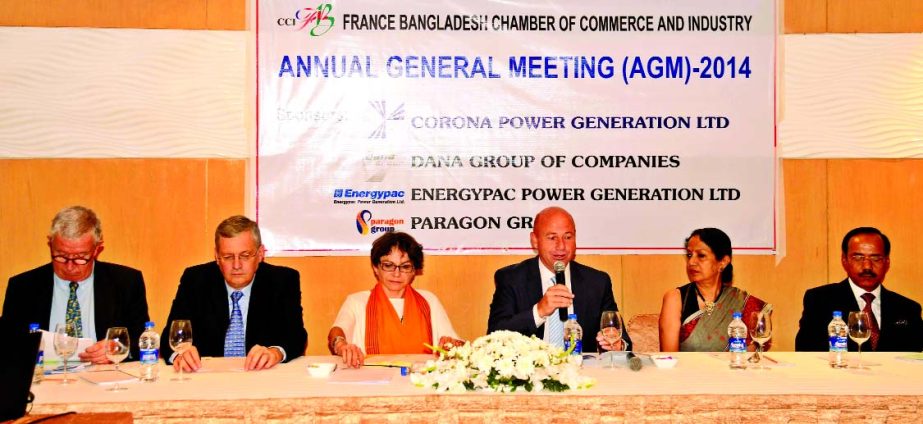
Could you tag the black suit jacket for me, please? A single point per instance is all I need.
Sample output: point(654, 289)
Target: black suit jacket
point(118, 295)
point(273, 319)
point(519, 288)
point(901, 325)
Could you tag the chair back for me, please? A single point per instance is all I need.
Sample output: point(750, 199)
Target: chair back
point(645, 332)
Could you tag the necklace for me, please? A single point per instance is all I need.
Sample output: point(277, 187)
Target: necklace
point(709, 306)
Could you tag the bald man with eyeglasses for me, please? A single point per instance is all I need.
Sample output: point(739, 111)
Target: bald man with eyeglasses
point(896, 322)
point(76, 288)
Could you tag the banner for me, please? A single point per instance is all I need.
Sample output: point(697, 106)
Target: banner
point(457, 121)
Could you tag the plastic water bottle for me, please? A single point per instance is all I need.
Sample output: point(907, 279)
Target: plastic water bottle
point(573, 329)
point(149, 345)
point(837, 332)
point(737, 341)
point(39, 374)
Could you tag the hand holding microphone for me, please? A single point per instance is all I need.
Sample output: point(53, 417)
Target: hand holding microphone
point(556, 297)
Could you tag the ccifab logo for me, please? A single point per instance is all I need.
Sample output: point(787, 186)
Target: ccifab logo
point(366, 225)
point(317, 20)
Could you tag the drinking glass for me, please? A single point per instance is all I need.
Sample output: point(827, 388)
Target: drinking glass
point(65, 344)
point(859, 332)
point(610, 325)
point(117, 343)
point(180, 340)
point(760, 325)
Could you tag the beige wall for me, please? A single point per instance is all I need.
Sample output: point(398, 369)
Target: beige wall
point(159, 214)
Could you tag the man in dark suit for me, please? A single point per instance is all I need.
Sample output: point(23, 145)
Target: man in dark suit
point(866, 259)
point(76, 288)
point(238, 305)
point(525, 298)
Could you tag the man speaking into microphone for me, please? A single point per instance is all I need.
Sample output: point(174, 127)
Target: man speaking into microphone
point(528, 299)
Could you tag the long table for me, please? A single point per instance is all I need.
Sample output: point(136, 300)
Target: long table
point(800, 387)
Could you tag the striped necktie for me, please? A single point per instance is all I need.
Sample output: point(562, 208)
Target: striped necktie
point(72, 316)
point(873, 322)
point(555, 327)
point(234, 341)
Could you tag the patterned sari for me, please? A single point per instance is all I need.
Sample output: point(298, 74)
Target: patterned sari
point(702, 332)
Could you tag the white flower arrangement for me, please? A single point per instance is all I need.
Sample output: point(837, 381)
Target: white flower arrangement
point(503, 361)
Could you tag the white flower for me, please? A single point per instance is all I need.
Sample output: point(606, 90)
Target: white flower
point(502, 361)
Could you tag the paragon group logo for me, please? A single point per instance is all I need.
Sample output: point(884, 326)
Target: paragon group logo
point(366, 225)
point(316, 20)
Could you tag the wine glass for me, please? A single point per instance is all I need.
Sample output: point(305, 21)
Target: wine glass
point(117, 343)
point(760, 325)
point(610, 325)
point(859, 331)
point(65, 344)
point(180, 340)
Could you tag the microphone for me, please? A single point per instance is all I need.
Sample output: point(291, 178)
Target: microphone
point(634, 362)
point(559, 279)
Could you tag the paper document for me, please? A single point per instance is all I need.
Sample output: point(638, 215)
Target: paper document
point(51, 356)
point(107, 377)
point(364, 375)
point(231, 364)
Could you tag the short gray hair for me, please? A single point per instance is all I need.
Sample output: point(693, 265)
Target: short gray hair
point(75, 221)
point(235, 225)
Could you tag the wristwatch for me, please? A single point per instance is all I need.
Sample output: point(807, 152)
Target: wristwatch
point(333, 343)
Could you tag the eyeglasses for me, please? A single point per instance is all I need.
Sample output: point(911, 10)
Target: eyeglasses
point(246, 256)
point(61, 259)
point(861, 258)
point(389, 267)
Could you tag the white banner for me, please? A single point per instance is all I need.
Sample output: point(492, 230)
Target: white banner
point(457, 121)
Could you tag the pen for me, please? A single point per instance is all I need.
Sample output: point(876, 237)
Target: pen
point(770, 359)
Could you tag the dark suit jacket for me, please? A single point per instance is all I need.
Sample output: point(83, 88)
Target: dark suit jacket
point(118, 295)
point(519, 288)
point(273, 318)
point(901, 325)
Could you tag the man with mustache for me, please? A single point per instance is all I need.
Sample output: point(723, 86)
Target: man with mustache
point(896, 324)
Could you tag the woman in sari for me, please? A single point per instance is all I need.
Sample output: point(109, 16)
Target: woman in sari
point(392, 317)
point(695, 317)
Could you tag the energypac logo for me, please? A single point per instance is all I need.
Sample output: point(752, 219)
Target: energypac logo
point(351, 196)
point(395, 115)
point(366, 225)
point(318, 21)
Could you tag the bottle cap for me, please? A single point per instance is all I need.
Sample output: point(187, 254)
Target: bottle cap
point(149, 324)
point(34, 326)
point(737, 314)
point(404, 371)
point(572, 316)
point(838, 314)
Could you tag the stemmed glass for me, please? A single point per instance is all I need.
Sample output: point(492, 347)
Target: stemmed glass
point(180, 340)
point(760, 325)
point(610, 325)
point(859, 332)
point(117, 343)
point(65, 344)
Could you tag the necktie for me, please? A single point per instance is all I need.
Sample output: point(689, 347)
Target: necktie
point(873, 324)
point(72, 316)
point(234, 343)
point(555, 328)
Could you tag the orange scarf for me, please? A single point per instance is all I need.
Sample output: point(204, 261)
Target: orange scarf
point(385, 333)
